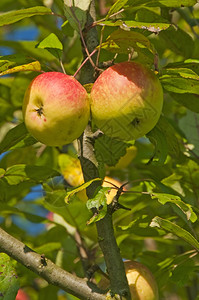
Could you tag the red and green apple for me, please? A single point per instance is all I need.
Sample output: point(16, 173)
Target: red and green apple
point(126, 101)
point(56, 108)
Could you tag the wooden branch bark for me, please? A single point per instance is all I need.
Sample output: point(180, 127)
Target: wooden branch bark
point(107, 241)
point(45, 268)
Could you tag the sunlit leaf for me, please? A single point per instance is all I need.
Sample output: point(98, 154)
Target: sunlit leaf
point(116, 7)
point(122, 41)
point(76, 12)
point(34, 66)
point(180, 80)
point(17, 15)
point(99, 202)
point(19, 173)
point(82, 187)
point(185, 207)
point(153, 27)
point(162, 3)
point(52, 44)
point(176, 230)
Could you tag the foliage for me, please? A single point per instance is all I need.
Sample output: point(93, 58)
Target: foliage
point(160, 229)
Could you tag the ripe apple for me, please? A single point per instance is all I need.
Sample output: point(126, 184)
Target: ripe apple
point(126, 101)
point(21, 295)
point(56, 108)
point(140, 279)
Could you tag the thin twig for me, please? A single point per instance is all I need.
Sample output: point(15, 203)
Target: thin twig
point(104, 19)
point(82, 38)
point(83, 63)
point(101, 38)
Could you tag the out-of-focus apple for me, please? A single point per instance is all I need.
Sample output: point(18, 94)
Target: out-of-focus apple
point(140, 279)
point(111, 182)
point(56, 108)
point(21, 295)
point(71, 169)
point(126, 101)
point(125, 160)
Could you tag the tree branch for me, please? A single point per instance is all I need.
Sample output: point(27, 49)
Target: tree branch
point(107, 241)
point(45, 268)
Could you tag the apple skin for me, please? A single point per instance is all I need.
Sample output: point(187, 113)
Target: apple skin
point(56, 108)
point(126, 101)
point(141, 282)
point(21, 295)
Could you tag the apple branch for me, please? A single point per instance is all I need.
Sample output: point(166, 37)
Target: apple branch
point(45, 268)
point(107, 241)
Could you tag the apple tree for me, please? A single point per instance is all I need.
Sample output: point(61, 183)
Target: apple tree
point(99, 149)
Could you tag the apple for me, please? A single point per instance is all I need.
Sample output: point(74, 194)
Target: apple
point(125, 160)
point(70, 168)
point(56, 108)
point(126, 101)
point(111, 182)
point(140, 279)
point(21, 295)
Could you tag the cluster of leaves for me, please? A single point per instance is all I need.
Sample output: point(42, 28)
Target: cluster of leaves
point(160, 229)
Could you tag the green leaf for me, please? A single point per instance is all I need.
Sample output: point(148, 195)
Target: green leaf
point(76, 12)
point(116, 7)
point(79, 188)
point(52, 44)
point(49, 247)
point(28, 48)
point(176, 230)
point(122, 41)
point(185, 207)
point(190, 101)
point(19, 173)
point(99, 199)
point(17, 15)
point(164, 137)
point(191, 64)
point(16, 137)
point(11, 61)
point(160, 146)
point(109, 150)
point(75, 214)
point(178, 41)
point(189, 125)
point(174, 142)
point(162, 3)
point(98, 216)
point(6, 111)
point(51, 41)
point(184, 272)
point(33, 66)
point(100, 203)
point(180, 80)
point(2, 172)
point(9, 282)
point(153, 27)
point(13, 136)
